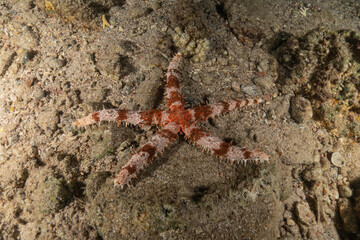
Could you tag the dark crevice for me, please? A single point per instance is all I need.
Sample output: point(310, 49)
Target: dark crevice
point(221, 11)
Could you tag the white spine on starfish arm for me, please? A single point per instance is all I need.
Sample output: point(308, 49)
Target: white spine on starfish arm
point(88, 120)
point(244, 154)
point(174, 66)
point(110, 115)
point(144, 155)
point(133, 118)
point(172, 72)
point(218, 147)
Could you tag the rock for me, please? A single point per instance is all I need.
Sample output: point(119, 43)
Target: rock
point(236, 86)
point(345, 191)
point(28, 39)
point(300, 109)
point(55, 63)
point(279, 106)
point(7, 58)
point(113, 65)
point(28, 56)
point(250, 90)
point(304, 213)
point(150, 91)
point(313, 174)
point(53, 195)
point(266, 82)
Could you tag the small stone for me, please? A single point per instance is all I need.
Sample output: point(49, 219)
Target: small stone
point(28, 39)
point(55, 63)
point(290, 222)
point(345, 191)
point(313, 174)
point(39, 94)
point(28, 56)
point(236, 86)
point(54, 195)
point(304, 213)
point(266, 82)
point(263, 66)
point(113, 65)
point(155, 5)
point(300, 109)
point(337, 159)
point(250, 90)
point(279, 106)
point(7, 57)
point(149, 92)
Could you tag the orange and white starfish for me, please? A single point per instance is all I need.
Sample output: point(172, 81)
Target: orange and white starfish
point(173, 121)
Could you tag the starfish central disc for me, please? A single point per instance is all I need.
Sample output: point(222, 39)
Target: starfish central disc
point(183, 118)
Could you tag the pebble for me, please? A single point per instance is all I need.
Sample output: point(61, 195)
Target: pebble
point(149, 91)
point(300, 109)
point(28, 56)
point(55, 63)
point(236, 86)
point(263, 66)
point(290, 222)
point(304, 213)
point(39, 94)
point(7, 57)
point(313, 174)
point(279, 106)
point(266, 82)
point(54, 195)
point(250, 90)
point(28, 38)
point(345, 191)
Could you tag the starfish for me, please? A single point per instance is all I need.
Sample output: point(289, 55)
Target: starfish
point(175, 120)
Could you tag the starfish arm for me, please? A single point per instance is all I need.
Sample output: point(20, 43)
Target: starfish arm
point(223, 149)
point(149, 117)
point(146, 153)
point(203, 112)
point(175, 100)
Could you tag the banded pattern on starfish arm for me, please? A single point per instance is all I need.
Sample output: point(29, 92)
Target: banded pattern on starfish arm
point(176, 120)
